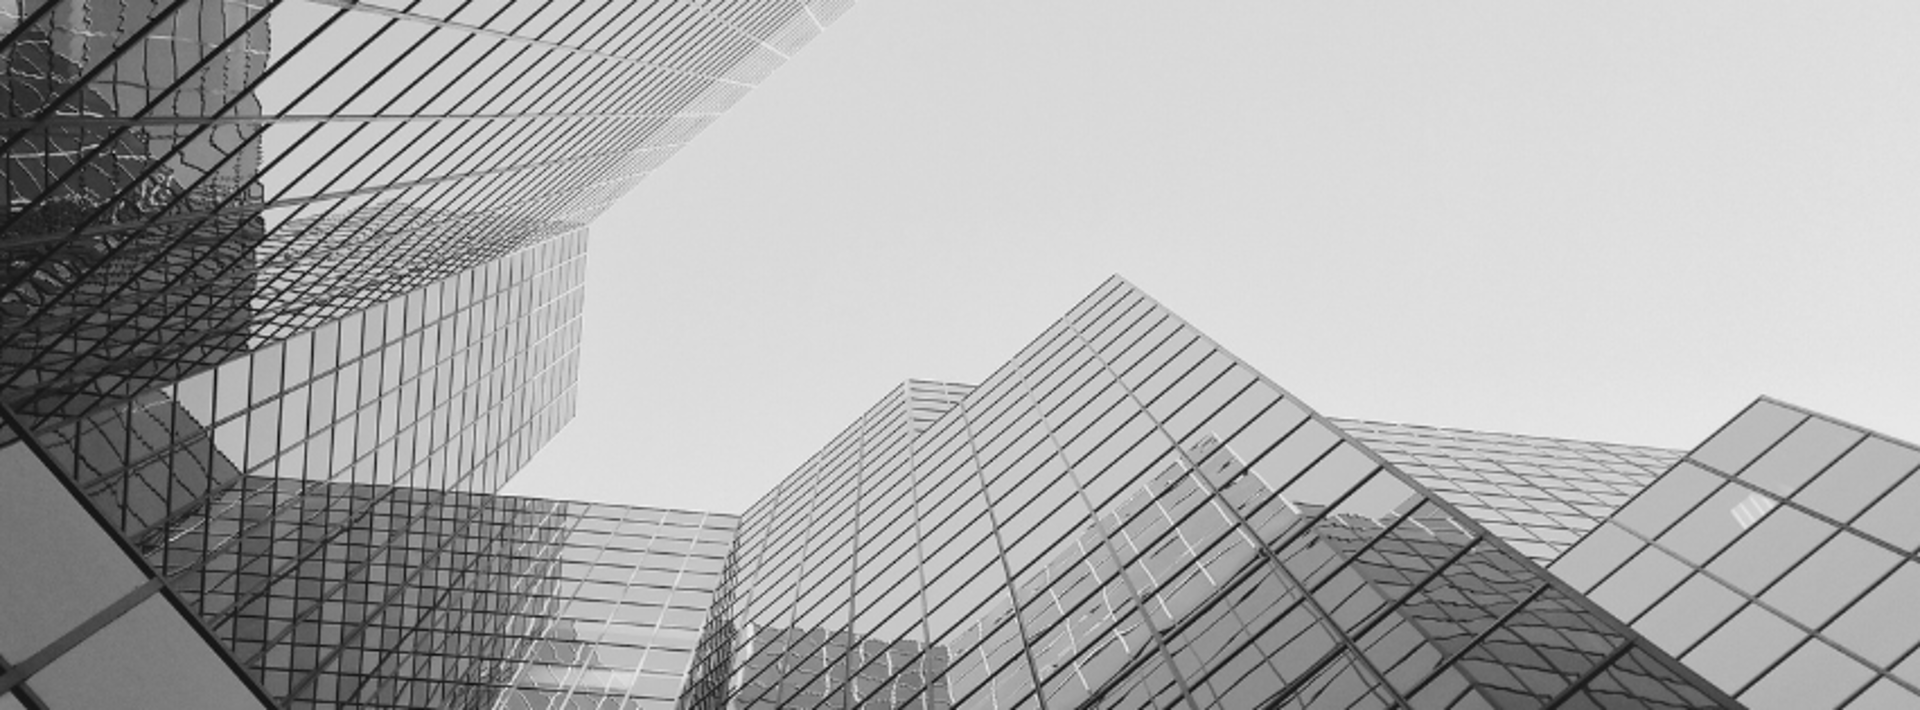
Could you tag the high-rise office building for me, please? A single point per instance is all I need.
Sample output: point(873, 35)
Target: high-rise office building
point(1125, 515)
point(288, 287)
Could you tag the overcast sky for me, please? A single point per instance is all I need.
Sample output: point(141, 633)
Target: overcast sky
point(1618, 221)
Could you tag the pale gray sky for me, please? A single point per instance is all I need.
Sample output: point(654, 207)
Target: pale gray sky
point(1617, 221)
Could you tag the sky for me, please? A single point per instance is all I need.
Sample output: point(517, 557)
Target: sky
point(1609, 221)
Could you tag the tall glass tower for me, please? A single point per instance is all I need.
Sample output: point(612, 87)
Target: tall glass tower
point(290, 288)
point(1126, 515)
point(287, 289)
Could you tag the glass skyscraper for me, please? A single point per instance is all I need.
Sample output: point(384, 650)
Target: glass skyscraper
point(290, 288)
point(1125, 515)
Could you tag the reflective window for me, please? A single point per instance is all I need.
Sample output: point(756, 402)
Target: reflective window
point(1858, 478)
point(1815, 676)
point(1644, 579)
point(1881, 625)
point(1830, 579)
point(74, 568)
point(1596, 556)
point(1667, 499)
point(1782, 538)
point(1813, 446)
point(1885, 695)
point(147, 658)
point(1747, 436)
point(1894, 519)
point(1743, 647)
point(1693, 609)
point(1709, 528)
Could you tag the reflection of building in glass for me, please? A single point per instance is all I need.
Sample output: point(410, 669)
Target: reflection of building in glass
point(1777, 560)
point(94, 307)
point(469, 601)
point(288, 289)
point(1125, 515)
point(285, 288)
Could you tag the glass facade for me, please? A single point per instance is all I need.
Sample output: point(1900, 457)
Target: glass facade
point(288, 288)
point(1125, 515)
point(1539, 494)
point(1777, 559)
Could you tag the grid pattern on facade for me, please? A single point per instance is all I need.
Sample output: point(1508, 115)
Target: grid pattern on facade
point(188, 178)
point(1127, 516)
point(284, 281)
point(619, 608)
point(1539, 494)
point(271, 482)
point(804, 549)
point(93, 620)
point(1778, 560)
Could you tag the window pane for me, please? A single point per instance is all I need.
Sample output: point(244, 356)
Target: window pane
point(1885, 695)
point(1816, 676)
point(1668, 499)
point(1594, 557)
point(1834, 576)
point(57, 566)
point(1882, 625)
point(1693, 609)
point(1746, 436)
point(147, 658)
point(1638, 584)
point(1893, 518)
point(1708, 529)
point(1805, 452)
point(1765, 552)
point(1735, 653)
point(1858, 478)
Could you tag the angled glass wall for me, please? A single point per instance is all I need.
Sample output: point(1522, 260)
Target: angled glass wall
point(86, 623)
point(1125, 515)
point(1539, 494)
point(1777, 559)
point(285, 283)
point(190, 178)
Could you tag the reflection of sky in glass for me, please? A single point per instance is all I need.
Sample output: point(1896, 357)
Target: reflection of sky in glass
point(627, 593)
point(1122, 499)
point(1752, 562)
